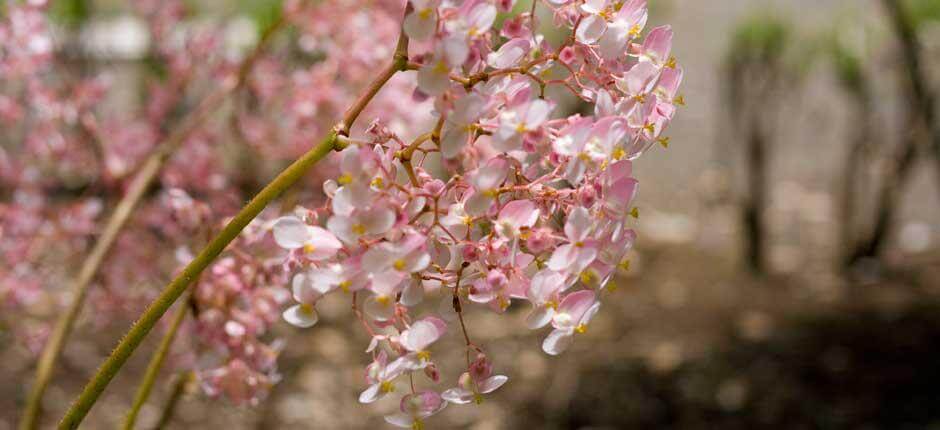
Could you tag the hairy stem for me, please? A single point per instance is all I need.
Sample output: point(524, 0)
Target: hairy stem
point(138, 187)
point(177, 286)
point(156, 362)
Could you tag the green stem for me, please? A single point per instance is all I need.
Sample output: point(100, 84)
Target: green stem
point(156, 362)
point(138, 187)
point(171, 292)
point(76, 413)
point(178, 389)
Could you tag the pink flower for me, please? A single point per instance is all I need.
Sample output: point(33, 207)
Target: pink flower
point(574, 313)
point(421, 23)
point(515, 123)
point(316, 243)
point(361, 224)
point(580, 250)
point(381, 375)
point(509, 54)
point(408, 255)
point(486, 180)
point(417, 338)
point(626, 25)
point(516, 217)
point(473, 384)
point(415, 408)
point(543, 292)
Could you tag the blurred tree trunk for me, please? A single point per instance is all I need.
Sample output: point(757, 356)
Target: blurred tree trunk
point(755, 203)
point(921, 129)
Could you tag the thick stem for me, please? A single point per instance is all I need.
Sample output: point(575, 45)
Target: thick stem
point(156, 362)
point(177, 286)
point(138, 187)
point(175, 289)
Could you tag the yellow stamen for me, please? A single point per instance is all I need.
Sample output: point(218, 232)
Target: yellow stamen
point(477, 398)
point(612, 286)
point(417, 425)
point(441, 67)
point(635, 31)
point(378, 182)
point(524, 233)
point(425, 13)
point(640, 98)
point(387, 387)
point(671, 63)
point(588, 277)
point(618, 153)
point(625, 265)
point(424, 355)
point(383, 300)
point(521, 128)
point(581, 328)
point(635, 213)
point(552, 304)
point(649, 127)
point(345, 286)
point(679, 100)
point(579, 244)
point(309, 248)
point(344, 179)
point(306, 308)
point(399, 264)
point(359, 229)
point(664, 141)
point(492, 192)
point(467, 220)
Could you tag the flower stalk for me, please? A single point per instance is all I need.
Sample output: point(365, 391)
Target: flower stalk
point(145, 177)
point(178, 285)
point(156, 362)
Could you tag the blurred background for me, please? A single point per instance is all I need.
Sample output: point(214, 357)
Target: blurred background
point(787, 273)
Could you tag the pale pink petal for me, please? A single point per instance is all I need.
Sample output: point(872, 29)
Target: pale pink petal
point(371, 394)
point(539, 317)
point(412, 294)
point(301, 316)
point(578, 225)
point(509, 54)
point(291, 232)
point(492, 383)
point(591, 29)
point(400, 420)
point(557, 342)
point(458, 396)
point(563, 257)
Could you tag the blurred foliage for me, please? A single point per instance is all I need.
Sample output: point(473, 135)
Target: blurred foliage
point(762, 38)
point(847, 61)
point(70, 13)
point(924, 11)
point(263, 12)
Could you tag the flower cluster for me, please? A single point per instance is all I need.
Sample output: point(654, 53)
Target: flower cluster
point(503, 200)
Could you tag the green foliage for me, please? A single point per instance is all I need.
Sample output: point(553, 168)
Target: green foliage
point(263, 12)
point(923, 11)
point(762, 38)
point(70, 12)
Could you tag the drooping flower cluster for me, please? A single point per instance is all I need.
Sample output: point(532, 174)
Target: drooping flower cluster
point(504, 201)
